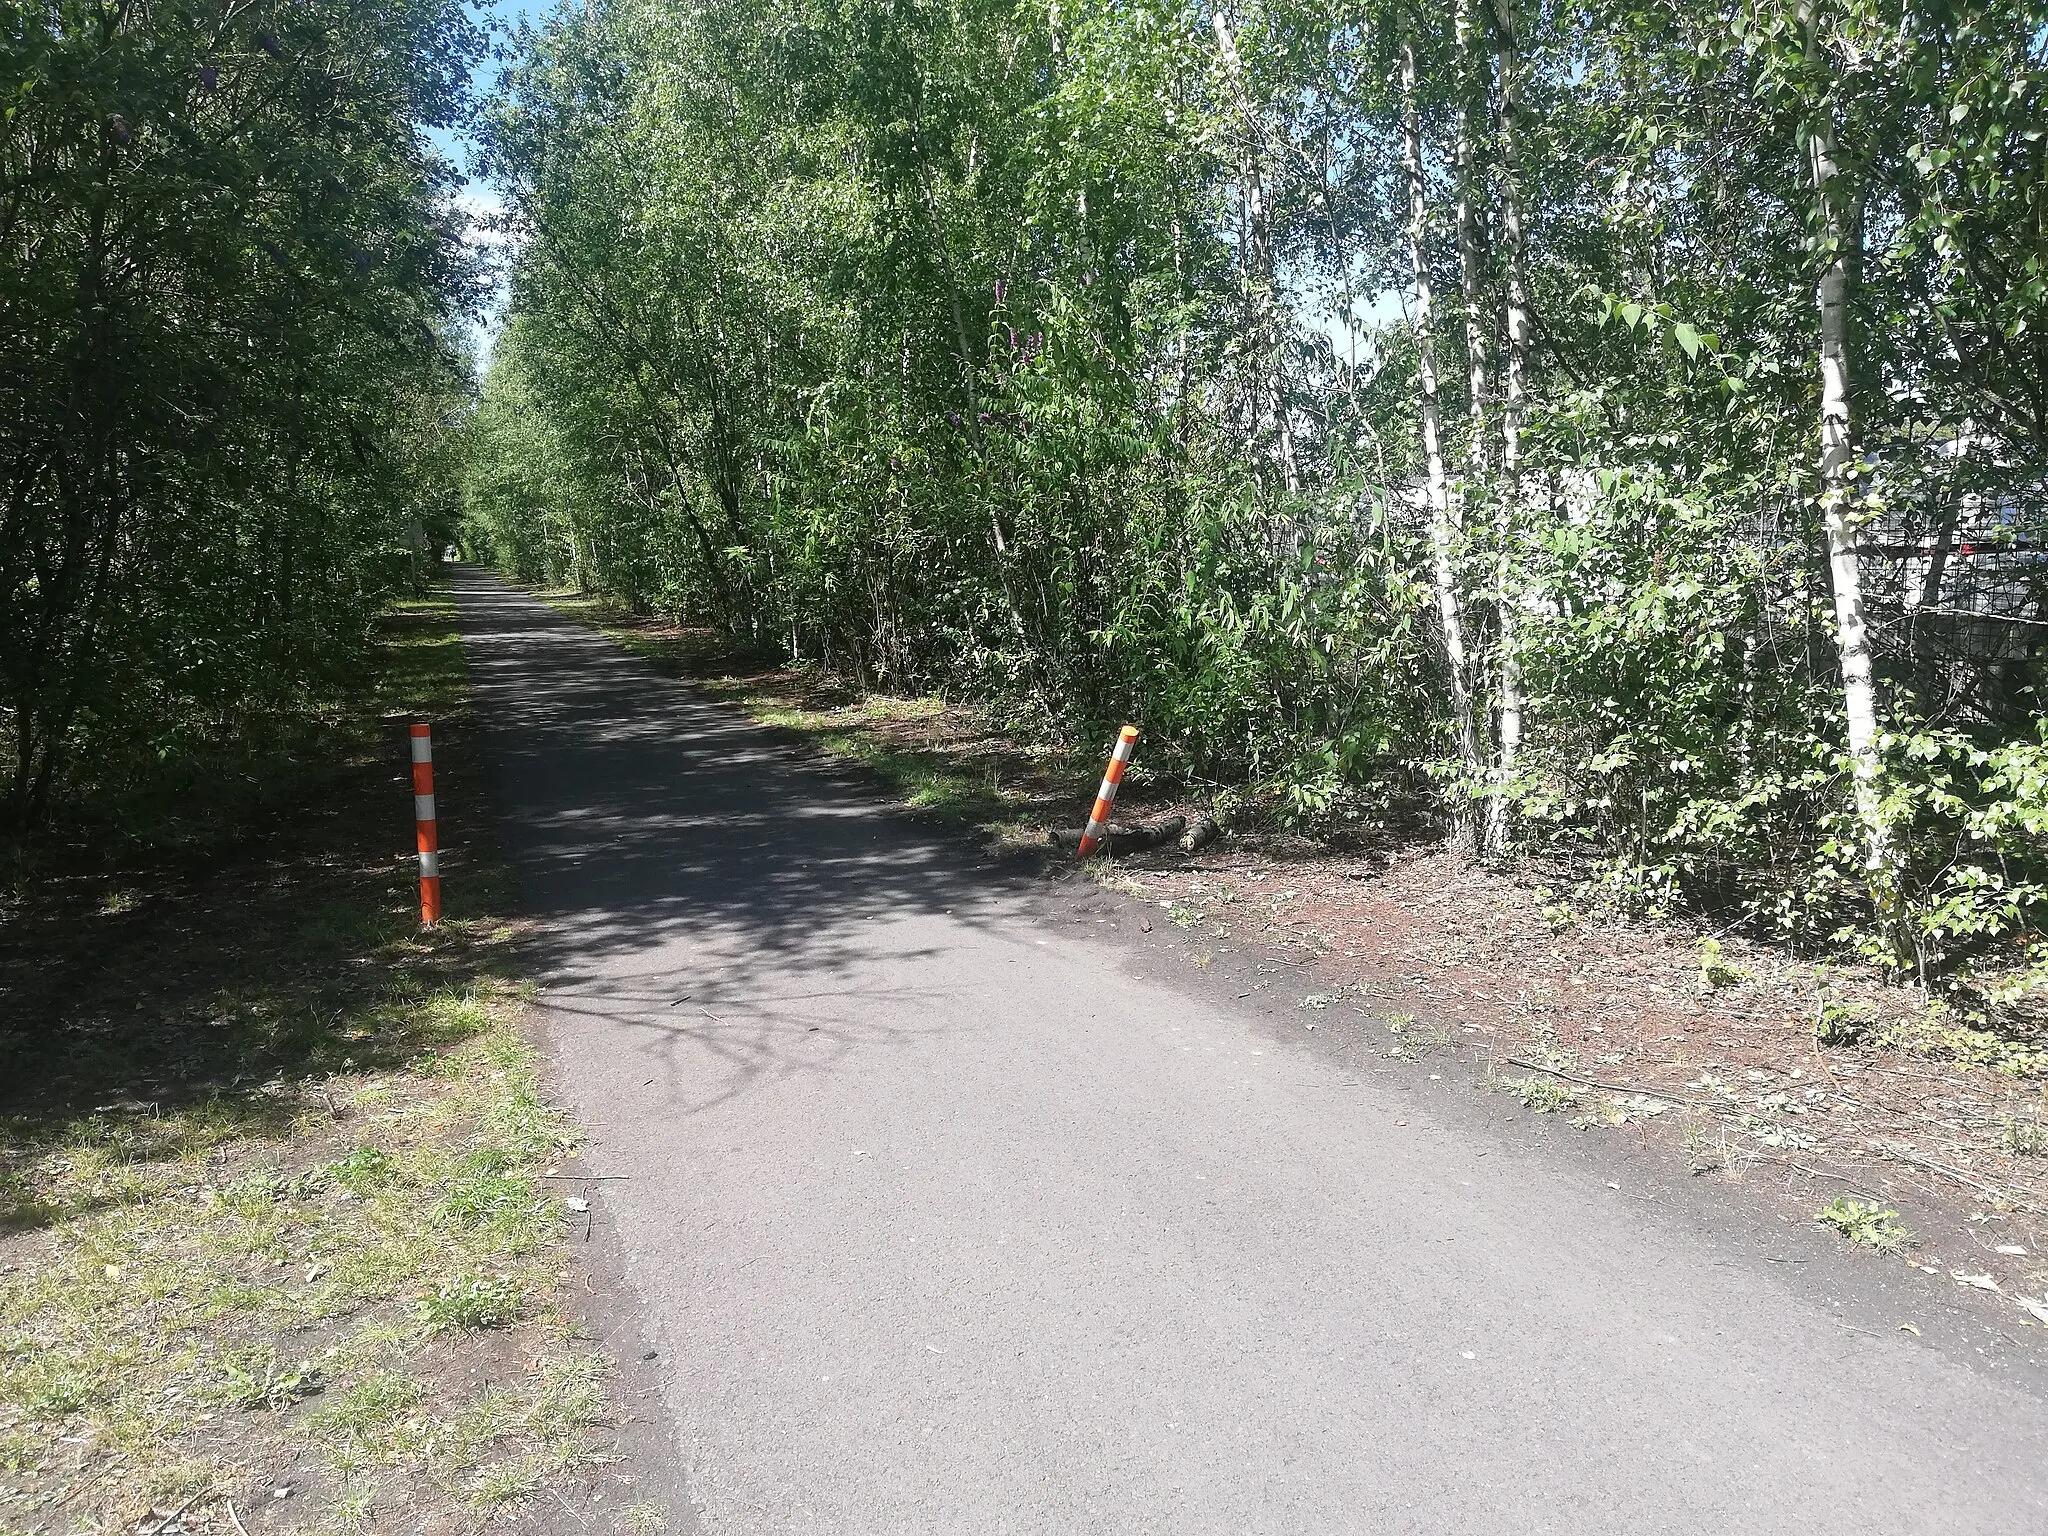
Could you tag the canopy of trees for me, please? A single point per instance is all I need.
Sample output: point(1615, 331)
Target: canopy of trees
point(228, 276)
point(1619, 425)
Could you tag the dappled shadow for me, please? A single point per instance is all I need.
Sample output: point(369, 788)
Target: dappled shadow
point(703, 883)
point(231, 977)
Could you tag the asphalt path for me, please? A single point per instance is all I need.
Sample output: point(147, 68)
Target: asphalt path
point(950, 1210)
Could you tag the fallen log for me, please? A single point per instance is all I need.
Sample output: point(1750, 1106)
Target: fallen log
point(1120, 837)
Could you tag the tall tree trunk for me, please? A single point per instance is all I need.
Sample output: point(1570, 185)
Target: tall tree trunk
point(1838, 507)
point(1443, 519)
point(1258, 260)
point(1514, 397)
point(1471, 273)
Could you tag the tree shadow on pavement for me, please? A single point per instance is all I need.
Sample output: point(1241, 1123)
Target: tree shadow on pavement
point(676, 853)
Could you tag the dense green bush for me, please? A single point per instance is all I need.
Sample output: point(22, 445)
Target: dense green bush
point(229, 391)
point(1074, 357)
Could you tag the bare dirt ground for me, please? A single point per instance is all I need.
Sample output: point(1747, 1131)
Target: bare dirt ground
point(1616, 1024)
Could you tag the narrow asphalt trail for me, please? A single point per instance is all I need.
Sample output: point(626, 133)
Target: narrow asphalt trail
point(946, 1220)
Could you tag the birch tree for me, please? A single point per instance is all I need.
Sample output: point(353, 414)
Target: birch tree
point(1837, 229)
point(1514, 397)
point(1443, 514)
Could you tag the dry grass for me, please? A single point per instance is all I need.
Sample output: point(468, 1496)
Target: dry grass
point(274, 1243)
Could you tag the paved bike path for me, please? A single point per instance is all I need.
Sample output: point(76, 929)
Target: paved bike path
point(949, 1217)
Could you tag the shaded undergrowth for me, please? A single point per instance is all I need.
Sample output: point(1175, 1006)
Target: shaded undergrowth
point(271, 1207)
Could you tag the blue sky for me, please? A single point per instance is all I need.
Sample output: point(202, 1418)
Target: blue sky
point(477, 199)
point(506, 12)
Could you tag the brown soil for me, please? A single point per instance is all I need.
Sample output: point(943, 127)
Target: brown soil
point(1458, 958)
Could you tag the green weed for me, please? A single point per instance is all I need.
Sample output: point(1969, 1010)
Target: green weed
point(1840, 1024)
point(1717, 971)
point(1545, 1095)
point(256, 1378)
point(1556, 912)
point(363, 1171)
point(472, 1301)
point(1862, 1222)
point(2024, 1135)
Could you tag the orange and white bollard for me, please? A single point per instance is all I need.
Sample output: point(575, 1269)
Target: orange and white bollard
point(1105, 797)
point(423, 823)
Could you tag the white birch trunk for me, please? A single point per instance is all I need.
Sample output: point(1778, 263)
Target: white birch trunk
point(1258, 258)
point(1443, 518)
point(1465, 215)
point(1514, 397)
point(1838, 502)
point(1472, 289)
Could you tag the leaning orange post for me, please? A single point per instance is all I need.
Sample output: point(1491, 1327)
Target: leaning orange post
point(1105, 797)
point(423, 823)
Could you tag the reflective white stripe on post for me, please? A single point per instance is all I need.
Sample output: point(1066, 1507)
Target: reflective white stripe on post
point(1112, 776)
point(426, 828)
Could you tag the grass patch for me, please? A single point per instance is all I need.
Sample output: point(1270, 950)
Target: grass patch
point(1413, 1040)
point(271, 1210)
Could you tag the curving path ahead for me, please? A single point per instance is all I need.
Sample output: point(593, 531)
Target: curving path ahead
point(951, 1211)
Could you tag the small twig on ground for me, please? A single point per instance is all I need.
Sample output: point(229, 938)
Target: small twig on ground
point(573, 1514)
point(237, 1519)
point(578, 1178)
point(1822, 1062)
point(2004, 1197)
point(177, 1514)
point(1821, 1173)
point(1590, 1082)
point(75, 1492)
